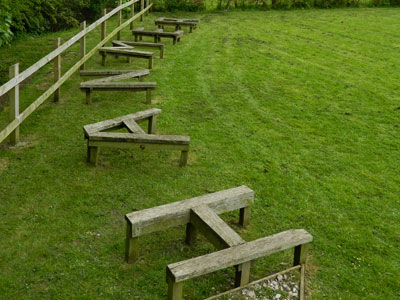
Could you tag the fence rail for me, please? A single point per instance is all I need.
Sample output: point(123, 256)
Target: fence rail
point(16, 78)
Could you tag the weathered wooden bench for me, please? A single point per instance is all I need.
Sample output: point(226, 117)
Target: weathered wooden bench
point(143, 44)
point(158, 34)
point(178, 213)
point(127, 51)
point(178, 23)
point(200, 215)
point(98, 136)
point(113, 82)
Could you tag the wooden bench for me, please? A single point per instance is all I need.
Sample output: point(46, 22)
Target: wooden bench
point(200, 215)
point(179, 213)
point(114, 82)
point(143, 44)
point(158, 34)
point(98, 136)
point(240, 255)
point(178, 23)
point(126, 51)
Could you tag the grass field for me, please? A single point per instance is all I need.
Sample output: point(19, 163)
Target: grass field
point(302, 106)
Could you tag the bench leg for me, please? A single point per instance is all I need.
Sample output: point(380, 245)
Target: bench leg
point(148, 96)
point(152, 125)
point(244, 216)
point(174, 290)
point(103, 59)
point(131, 245)
point(129, 60)
point(136, 37)
point(93, 155)
point(242, 274)
point(191, 234)
point(155, 39)
point(191, 29)
point(162, 52)
point(300, 258)
point(184, 158)
point(175, 40)
point(88, 96)
point(151, 59)
point(141, 78)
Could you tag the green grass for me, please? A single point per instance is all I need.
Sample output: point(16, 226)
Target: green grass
point(302, 106)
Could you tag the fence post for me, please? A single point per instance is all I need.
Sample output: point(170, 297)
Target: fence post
point(132, 14)
point(57, 69)
point(119, 20)
point(147, 5)
point(141, 9)
point(14, 104)
point(83, 44)
point(104, 26)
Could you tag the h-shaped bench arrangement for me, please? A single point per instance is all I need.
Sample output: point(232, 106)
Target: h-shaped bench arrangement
point(178, 23)
point(122, 49)
point(113, 81)
point(200, 214)
point(98, 137)
point(141, 44)
point(157, 34)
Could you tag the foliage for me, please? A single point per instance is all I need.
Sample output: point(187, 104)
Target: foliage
point(5, 24)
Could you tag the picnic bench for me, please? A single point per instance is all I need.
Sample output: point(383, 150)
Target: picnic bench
point(122, 49)
point(157, 34)
point(200, 215)
point(113, 82)
point(143, 44)
point(98, 135)
point(178, 23)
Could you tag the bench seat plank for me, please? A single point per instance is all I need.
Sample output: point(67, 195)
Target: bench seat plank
point(104, 125)
point(111, 78)
point(133, 127)
point(220, 234)
point(139, 138)
point(236, 255)
point(178, 213)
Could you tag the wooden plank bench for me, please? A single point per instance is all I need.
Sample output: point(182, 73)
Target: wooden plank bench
point(179, 213)
point(98, 137)
point(158, 34)
point(178, 23)
point(127, 52)
point(114, 82)
point(159, 46)
point(241, 254)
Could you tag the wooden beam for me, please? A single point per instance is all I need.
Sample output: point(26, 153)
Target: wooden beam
point(139, 138)
point(104, 26)
point(132, 14)
point(83, 44)
point(107, 124)
point(14, 105)
point(238, 254)
point(119, 19)
point(33, 106)
point(217, 232)
point(133, 127)
point(57, 69)
point(178, 213)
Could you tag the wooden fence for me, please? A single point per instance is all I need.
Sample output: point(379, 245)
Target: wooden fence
point(16, 77)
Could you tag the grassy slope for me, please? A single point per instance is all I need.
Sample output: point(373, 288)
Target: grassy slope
point(302, 106)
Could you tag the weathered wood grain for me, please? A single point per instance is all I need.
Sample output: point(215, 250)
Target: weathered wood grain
point(220, 234)
point(133, 127)
point(160, 46)
point(238, 254)
point(57, 69)
point(83, 44)
point(111, 123)
point(133, 73)
point(139, 138)
point(14, 105)
point(178, 213)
